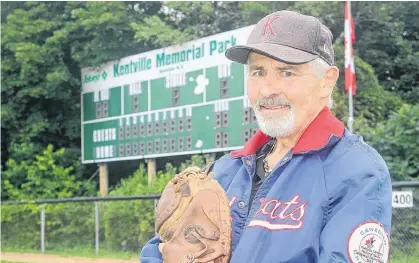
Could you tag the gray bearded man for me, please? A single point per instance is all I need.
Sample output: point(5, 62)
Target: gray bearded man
point(304, 189)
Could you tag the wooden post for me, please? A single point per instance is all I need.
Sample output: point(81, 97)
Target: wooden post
point(211, 157)
point(103, 179)
point(151, 170)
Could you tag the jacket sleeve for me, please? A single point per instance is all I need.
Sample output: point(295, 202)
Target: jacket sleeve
point(358, 220)
point(150, 252)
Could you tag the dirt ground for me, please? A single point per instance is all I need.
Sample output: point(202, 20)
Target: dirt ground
point(40, 258)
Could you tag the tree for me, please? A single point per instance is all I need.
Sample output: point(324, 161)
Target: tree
point(397, 140)
point(184, 21)
point(381, 103)
point(47, 175)
point(387, 38)
point(44, 45)
point(39, 94)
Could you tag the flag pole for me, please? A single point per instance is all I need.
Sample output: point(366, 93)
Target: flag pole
point(351, 108)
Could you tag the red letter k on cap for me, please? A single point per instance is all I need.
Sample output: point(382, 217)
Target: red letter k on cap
point(268, 26)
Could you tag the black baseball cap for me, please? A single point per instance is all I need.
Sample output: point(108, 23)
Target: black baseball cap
point(287, 36)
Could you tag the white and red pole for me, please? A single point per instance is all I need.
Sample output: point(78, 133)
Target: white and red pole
point(350, 78)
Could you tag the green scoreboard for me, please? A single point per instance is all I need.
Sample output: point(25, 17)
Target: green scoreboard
point(179, 100)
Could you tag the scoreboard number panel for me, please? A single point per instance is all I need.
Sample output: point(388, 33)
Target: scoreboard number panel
point(178, 100)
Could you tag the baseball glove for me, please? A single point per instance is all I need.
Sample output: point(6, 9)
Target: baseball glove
point(193, 219)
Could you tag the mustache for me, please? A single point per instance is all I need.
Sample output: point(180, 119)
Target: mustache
point(273, 101)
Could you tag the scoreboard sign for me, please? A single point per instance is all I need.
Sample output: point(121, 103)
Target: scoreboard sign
point(179, 100)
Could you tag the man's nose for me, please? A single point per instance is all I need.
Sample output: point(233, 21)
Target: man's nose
point(270, 87)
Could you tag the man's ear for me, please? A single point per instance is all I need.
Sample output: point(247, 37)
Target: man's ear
point(329, 81)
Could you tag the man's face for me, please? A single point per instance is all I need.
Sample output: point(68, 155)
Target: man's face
point(284, 97)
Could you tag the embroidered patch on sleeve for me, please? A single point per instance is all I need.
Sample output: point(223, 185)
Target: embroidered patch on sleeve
point(369, 243)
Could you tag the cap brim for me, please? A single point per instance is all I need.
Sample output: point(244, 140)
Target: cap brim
point(286, 54)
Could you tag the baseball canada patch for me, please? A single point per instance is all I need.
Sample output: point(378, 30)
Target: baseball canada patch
point(369, 243)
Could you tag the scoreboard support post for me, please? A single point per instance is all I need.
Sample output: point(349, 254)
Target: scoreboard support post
point(151, 170)
point(103, 179)
point(211, 157)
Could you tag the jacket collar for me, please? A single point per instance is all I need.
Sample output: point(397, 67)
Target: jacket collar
point(315, 137)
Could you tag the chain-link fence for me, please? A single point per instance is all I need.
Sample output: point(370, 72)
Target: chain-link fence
point(405, 222)
point(122, 225)
point(108, 226)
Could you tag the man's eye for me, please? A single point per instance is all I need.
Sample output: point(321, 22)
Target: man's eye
point(286, 74)
point(258, 73)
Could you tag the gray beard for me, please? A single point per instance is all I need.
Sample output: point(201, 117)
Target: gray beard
point(274, 125)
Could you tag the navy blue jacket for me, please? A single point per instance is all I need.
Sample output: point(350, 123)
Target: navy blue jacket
point(329, 200)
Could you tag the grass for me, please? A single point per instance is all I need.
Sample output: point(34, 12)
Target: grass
point(78, 252)
point(409, 254)
point(405, 260)
point(4, 261)
point(400, 258)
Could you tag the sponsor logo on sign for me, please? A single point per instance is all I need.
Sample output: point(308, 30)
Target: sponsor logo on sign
point(91, 78)
point(104, 75)
point(95, 78)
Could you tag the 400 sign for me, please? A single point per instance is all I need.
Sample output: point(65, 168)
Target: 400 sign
point(402, 199)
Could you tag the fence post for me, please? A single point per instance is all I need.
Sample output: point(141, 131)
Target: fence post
point(97, 227)
point(42, 228)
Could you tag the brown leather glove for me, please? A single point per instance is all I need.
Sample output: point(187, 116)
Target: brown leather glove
point(193, 219)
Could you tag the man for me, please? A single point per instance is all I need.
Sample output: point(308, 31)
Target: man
point(304, 188)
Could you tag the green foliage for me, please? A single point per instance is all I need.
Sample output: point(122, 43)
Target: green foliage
point(178, 22)
point(124, 225)
point(387, 38)
point(129, 224)
point(196, 160)
point(397, 140)
point(102, 31)
point(38, 103)
point(45, 175)
point(154, 30)
point(199, 19)
point(381, 103)
point(20, 226)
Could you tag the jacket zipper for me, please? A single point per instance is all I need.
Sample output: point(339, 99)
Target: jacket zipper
point(250, 217)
